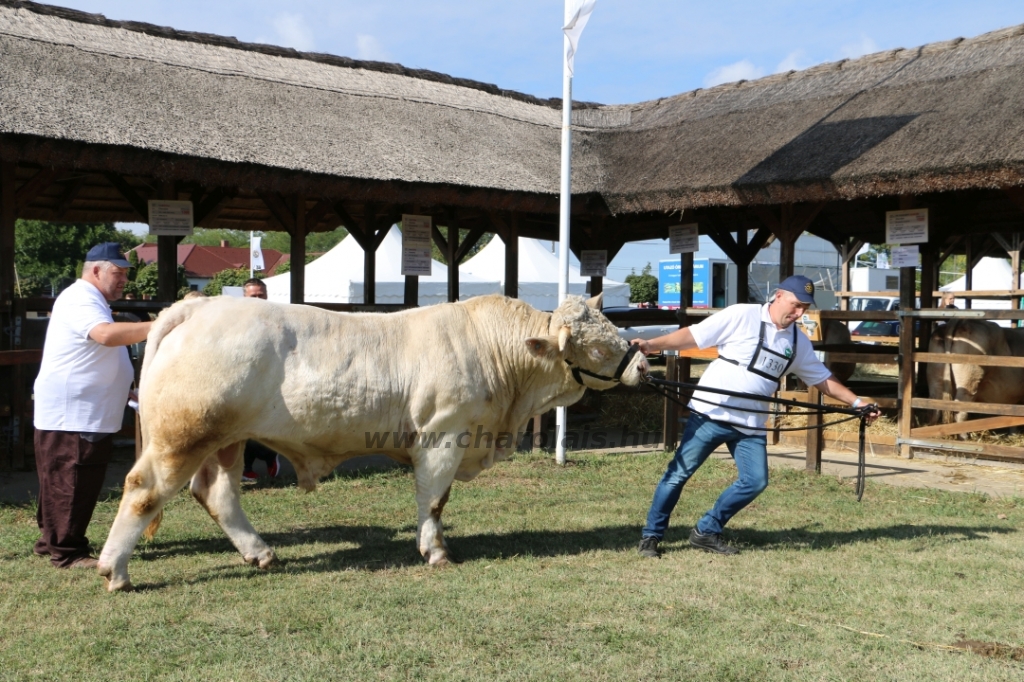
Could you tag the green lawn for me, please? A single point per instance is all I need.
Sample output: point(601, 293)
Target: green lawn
point(551, 587)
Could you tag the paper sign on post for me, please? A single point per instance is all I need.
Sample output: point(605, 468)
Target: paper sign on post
point(170, 218)
point(416, 241)
point(683, 238)
point(810, 324)
point(594, 263)
point(906, 227)
point(905, 256)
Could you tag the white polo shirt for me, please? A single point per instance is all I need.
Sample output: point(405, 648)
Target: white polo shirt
point(735, 331)
point(82, 385)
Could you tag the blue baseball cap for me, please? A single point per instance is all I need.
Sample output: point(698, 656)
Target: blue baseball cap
point(800, 286)
point(108, 251)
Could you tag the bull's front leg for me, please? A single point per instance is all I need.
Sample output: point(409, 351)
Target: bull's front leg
point(435, 472)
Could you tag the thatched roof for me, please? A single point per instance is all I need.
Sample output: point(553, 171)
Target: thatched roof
point(941, 117)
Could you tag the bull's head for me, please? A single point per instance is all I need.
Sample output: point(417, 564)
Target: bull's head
point(587, 342)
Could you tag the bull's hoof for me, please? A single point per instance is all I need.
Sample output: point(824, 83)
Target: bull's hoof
point(263, 560)
point(112, 583)
point(437, 558)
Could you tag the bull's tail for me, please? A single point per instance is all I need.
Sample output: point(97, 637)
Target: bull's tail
point(165, 324)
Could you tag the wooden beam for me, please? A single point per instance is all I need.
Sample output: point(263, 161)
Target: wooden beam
point(511, 239)
point(71, 190)
point(452, 256)
point(469, 242)
point(969, 426)
point(209, 205)
point(298, 251)
point(8, 216)
point(369, 256)
point(961, 406)
point(439, 239)
point(166, 254)
point(279, 209)
point(138, 204)
point(35, 185)
point(317, 213)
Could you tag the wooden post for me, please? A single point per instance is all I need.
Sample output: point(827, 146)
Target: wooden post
point(166, 255)
point(8, 216)
point(511, 238)
point(815, 437)
point(369, 256)
point(742, 269)
point(453, 258)
point(596, 285)
point(412, 290)
point(906, 377)
point(969, 275)
point(298, 251)
point(678, 367)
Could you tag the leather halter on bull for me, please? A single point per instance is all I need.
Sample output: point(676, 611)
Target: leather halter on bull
point(626, 359)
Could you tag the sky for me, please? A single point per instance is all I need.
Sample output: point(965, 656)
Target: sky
point(630, 51)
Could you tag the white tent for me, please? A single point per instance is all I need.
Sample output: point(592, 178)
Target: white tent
point(337, 277)
point(538, 274)
point(990, 274)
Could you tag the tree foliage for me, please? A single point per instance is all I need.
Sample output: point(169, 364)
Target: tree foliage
point(142, 281)
point(643, 288)
point(228, 278)
point(49, 256)
point(317, 242)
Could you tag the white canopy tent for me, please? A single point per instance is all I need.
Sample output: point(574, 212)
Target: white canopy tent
point(337, 277)
point(538, 274)
point(990, 274)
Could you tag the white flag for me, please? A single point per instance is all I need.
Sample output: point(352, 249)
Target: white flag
point(577, 13)
point(257, 253)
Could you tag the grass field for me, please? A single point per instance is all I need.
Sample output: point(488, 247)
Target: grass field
point(550, 587)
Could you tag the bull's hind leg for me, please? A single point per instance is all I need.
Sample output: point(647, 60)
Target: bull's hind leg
point(217, 486)
point(147, 488)
point(435, 472)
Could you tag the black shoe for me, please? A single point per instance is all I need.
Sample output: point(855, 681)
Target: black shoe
point(712, 542)
point(649, 548)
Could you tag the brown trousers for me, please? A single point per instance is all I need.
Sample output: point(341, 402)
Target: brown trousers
point(71, 471)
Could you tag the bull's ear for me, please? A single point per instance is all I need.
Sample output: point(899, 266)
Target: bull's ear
point(596, 302)
point(543, 347)
point(564, 334)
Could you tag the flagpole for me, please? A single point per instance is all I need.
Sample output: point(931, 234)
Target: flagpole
point(563, 216)
point(250, 254)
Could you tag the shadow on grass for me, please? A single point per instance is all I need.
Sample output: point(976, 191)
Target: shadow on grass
point(804, 537)
point(374, 548)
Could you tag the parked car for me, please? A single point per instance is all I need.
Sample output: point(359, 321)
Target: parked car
point(877, 328)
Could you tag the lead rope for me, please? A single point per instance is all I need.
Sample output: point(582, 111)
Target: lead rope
point(861, 413)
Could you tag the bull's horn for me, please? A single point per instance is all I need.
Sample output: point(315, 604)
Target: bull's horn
point(563, 338)
point(596, 302)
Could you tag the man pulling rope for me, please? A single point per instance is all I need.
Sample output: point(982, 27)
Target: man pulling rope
point(757, 346)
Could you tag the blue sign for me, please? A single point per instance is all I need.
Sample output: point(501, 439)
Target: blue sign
point(669, 278)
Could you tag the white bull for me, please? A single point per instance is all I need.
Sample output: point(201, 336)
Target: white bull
point(449, 384)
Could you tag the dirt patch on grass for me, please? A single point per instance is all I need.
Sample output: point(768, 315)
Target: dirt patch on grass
point(1004, 652)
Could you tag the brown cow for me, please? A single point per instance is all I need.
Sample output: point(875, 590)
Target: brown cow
point(974, 383)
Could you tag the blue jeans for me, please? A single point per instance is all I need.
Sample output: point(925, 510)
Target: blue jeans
point(699, 440)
